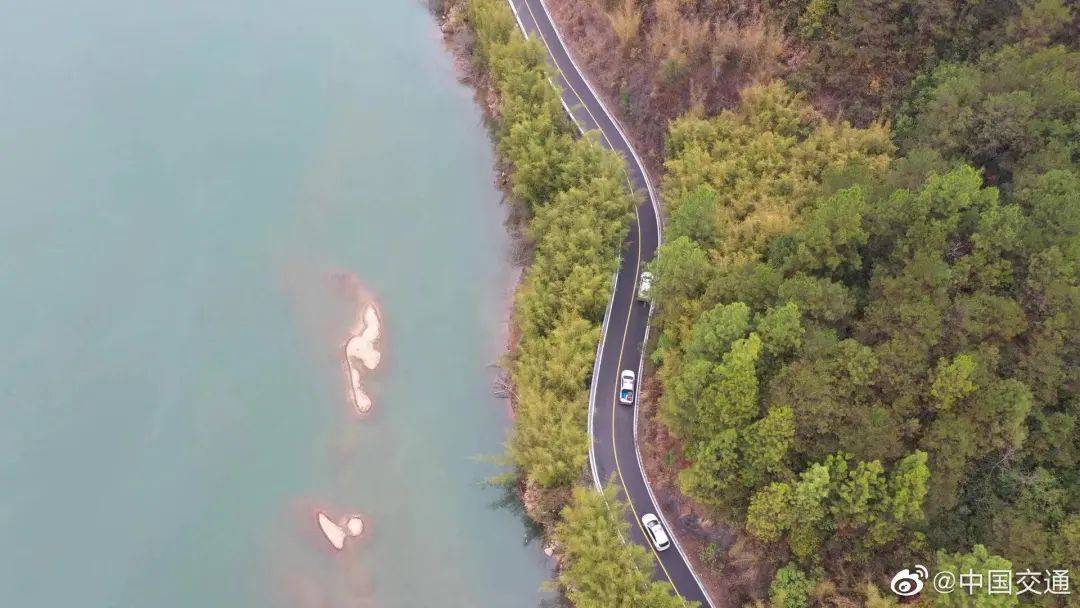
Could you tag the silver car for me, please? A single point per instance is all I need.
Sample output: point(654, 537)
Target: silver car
point(655, 531)
point(645, 286)
point(626, 387)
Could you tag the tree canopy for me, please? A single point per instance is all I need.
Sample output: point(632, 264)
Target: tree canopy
point(868, 357)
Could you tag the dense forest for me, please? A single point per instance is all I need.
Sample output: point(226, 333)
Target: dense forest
point(868, 299)
point(870, 336)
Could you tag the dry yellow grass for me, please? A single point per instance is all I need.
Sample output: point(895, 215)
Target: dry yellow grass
point(692, 35)
point(626, 21)
point(754, 48)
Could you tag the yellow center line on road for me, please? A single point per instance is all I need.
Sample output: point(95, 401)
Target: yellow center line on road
point(626, 328)
point(614, 445)
point(581, 101)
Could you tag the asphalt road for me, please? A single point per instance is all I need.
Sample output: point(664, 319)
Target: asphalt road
point(612, 427)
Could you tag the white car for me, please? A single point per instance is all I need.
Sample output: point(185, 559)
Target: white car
point(656, 532)
point(626, 387)
point(644, 286)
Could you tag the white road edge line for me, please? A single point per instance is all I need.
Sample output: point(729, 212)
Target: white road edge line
point(641, 363)
point(600, 100)
point(611, 301)
point(614, 289)
point(648, 484)
point(521, 25)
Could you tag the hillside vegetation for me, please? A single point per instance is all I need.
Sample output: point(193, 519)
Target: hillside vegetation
point(656, 60)
point(868, 298)
point(870, 340)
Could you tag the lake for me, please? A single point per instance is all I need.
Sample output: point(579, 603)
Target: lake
point(193, 195)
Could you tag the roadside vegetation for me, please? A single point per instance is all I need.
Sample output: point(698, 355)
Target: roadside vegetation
point(855, 60)
point(655, 60)
point(870, 336)
point(577, 203)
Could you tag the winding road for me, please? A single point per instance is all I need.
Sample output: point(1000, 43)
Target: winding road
point(613, 427)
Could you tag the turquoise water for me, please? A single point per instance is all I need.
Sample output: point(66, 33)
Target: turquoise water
point(186, 187)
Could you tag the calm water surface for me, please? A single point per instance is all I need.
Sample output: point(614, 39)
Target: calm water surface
point(185, 188)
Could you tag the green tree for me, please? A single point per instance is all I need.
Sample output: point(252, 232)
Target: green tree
point(770, 514)
point(695, 217)
point(781, 329)
point(829, 242)
point(953, 381)
point(729, 465)
point(1052, 201)
point(979, 560)
point(819, 298)
point(1014, 110)
point(856, 502)
point(603, 570)
point(908, 487)
point(763, 160)
point(1041, 22)
point(716, 329)
point(682, 270)
point(734, 400)
point(790, 588)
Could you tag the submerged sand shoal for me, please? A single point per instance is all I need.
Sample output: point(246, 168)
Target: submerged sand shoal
point(361, 345)
point(338, 533)
point(361, 352)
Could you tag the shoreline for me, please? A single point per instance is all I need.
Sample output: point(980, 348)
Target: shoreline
point(515, 219)
point(457, 37)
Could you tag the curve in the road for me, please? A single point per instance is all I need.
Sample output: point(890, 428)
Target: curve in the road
point(625, 315)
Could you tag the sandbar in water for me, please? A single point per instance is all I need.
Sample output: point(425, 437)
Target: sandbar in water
point(360, 352)
point(338, 533)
